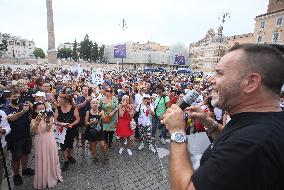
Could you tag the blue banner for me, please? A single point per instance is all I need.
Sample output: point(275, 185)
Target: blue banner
point(120, 51)
point(179, 60)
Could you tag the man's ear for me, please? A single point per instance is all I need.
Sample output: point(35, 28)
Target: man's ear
point(251, 83)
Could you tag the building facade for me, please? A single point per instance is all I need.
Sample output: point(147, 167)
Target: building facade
point(207, 52)
point(17, 47)
point(275, 5)
point(68, 45)
point(240, 39)
point(269, 26)
point(141, 55)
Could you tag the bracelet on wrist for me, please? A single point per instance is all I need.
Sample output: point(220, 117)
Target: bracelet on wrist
point(212, 128)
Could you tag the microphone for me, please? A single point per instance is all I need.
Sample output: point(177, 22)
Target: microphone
point(188, 99)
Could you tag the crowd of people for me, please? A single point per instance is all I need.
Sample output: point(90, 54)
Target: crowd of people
point(128, 105)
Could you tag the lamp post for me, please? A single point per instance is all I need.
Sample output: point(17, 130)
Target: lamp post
point(121, 61)
point(123, 27)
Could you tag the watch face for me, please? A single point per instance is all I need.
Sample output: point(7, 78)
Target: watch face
point(179, 137)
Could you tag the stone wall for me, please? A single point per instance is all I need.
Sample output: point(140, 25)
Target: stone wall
point(275, 5)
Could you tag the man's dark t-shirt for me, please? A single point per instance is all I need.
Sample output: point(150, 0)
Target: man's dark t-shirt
point(83, 110)
point(20, 129)
point(26, 96)
point(248, 154)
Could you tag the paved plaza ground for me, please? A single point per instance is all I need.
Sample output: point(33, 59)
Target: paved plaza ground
point(143, 170)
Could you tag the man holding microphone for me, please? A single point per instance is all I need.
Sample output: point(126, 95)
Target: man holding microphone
point(248, 152)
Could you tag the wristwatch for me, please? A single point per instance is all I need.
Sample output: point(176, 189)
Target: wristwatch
point(179, 137)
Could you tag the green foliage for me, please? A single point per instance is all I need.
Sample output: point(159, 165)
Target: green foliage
point(94, 52)
point(85, 49)
point(101, 52)
point(75, 55)
point(39, 53)
point(3, 47)
point(88, 51)
point(64, 53)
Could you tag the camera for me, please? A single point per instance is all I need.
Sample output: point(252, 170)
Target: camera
point(47, 113)
point(90, 91)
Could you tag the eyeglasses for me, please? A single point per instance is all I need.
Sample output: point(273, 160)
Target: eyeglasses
point(39, 102)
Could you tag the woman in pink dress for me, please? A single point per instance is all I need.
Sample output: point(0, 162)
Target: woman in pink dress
point(125, 115)
point(47, 167)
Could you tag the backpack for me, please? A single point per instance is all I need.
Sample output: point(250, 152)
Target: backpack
point(137, 113)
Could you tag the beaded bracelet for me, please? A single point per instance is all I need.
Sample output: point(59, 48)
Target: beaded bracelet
point(212, 128)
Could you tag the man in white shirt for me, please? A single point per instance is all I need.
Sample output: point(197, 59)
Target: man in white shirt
point(4, 130)
point(137, 101)
point(145, 110)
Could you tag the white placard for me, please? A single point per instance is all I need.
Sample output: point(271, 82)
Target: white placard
point(97, 77)
point(59, 133)
point(79, 70)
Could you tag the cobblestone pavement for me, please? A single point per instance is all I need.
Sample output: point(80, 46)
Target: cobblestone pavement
point(142, 170)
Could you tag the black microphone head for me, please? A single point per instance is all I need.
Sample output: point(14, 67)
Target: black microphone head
point(191, 96)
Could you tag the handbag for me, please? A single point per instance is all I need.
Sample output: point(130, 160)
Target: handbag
point(133, 125)
point(137, 113)
point(106, 119)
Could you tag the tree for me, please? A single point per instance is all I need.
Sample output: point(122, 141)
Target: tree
point(39, 53)
point(85, 49)
point(3, 47)
point(95, 52)
point(64, 53)
point(75, 56)
point(101, 53)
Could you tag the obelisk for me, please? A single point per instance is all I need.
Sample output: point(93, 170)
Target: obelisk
point(51, 52)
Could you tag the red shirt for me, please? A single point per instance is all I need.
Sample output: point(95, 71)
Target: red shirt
point(173, 99)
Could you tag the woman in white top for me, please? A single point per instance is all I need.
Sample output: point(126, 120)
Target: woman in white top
point(145, 110)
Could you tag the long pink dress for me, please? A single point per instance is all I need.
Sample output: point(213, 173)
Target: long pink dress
point(47, 167)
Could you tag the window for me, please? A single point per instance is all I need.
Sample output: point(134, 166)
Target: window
point(260, 39)
point(279, 21)
point(262, 24)
point(276, 37)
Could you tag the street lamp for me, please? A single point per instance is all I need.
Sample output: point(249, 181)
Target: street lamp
point(122, 50)
point(121, 53)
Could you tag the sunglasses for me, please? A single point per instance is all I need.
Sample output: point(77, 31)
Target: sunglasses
point(108, 90)
point(38, 103)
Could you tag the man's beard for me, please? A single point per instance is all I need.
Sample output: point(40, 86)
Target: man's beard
point(226, 99)
point(214, 102)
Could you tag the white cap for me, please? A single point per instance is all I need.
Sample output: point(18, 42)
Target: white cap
point(146, 96)
point(40, 94)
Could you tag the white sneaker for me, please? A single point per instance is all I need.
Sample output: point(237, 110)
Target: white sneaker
point(129, 152)
point(141, 146)
point(163, 141)
point(120, 150)
point(151, 148)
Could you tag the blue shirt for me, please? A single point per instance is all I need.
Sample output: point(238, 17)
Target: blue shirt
point(20, 128)
point(84, 109)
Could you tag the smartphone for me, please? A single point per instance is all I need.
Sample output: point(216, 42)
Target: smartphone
point(90, 91)
point(99, 108)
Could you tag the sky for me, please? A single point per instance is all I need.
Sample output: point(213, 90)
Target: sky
point(166, 22)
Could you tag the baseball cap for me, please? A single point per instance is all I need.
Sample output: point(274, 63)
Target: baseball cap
point(146, 96)
point(40, 94)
